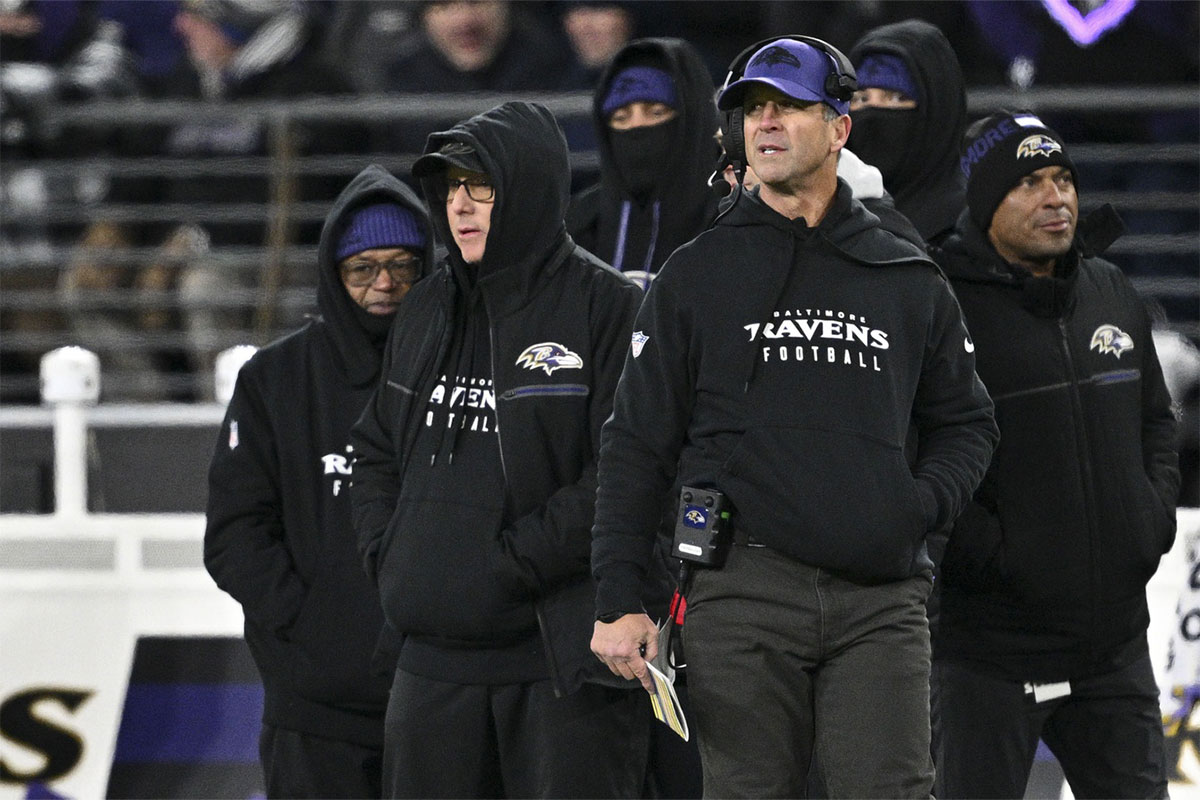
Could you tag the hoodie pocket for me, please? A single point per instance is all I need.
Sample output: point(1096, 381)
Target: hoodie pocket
point(335, 636)
point(1155, 529)
point(442, 575)
point(833, 499)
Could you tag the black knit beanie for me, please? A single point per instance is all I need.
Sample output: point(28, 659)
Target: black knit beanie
point(1001, 149)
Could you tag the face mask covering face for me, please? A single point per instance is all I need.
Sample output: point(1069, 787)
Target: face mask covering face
point(882, 137)
point(642, 156)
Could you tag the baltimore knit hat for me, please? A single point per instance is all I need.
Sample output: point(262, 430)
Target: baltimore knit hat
point(380, 225)
point(1001, 149)
point(886, 71)
point(639, 84)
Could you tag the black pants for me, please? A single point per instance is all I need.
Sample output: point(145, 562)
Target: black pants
point(788, 663)
point(674, 771)
point(301, 765)
point(514, 740)
point(1107, 733)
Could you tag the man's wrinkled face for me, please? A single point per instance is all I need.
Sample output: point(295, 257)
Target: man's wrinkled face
point(1035, 222)
point(468, 34)
point(788, 140)
point(378, 278)
point(470, 197)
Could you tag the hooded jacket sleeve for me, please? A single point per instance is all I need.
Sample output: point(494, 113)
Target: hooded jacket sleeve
point(640, 446)
point(244, 548)
point(375, 485)
point(1158, 430)
point(553, 543)
point(954, 415)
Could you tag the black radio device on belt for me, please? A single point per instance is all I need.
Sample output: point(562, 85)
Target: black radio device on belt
point(702, 530)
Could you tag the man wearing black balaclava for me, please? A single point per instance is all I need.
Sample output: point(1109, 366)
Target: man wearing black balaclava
point(655, 120)
point(908, 116)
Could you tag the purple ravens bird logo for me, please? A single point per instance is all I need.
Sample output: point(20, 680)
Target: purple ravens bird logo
point(1038, 145)
point(695, 518)
point(776, 55)
point(1111, 339)
point(549, 356)
point(627, 84)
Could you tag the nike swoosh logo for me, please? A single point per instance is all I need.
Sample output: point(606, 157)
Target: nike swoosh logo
point(968, 345)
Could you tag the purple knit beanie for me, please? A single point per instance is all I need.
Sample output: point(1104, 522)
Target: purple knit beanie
point(639, 84)
point(380, 225)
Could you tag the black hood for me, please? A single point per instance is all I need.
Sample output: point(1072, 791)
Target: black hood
point(354, 343)
point(848, 225)
point(524, 151)
point(697, 151)
point(931, 190)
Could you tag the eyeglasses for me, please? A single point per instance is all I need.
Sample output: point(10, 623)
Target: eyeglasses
point(480, 190)
point(364, 273)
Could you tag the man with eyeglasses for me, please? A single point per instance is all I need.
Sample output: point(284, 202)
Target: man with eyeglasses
point(279, 536)
point(475, 478)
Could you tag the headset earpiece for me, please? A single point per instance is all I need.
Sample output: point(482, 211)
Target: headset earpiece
point(734, 138)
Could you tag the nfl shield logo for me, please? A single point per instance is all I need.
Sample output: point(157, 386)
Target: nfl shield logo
point(638, 342)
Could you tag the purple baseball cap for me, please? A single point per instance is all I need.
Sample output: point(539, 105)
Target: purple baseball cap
point(797, 69)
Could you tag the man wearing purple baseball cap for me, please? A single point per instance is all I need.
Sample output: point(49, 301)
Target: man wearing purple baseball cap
point(781, 360)
point(794, 68)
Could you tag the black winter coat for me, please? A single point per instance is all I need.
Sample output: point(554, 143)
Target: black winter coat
point(444, 569)
point(1045, 573)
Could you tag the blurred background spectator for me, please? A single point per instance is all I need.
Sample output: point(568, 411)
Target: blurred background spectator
point(237, 50)
point(50, 53)
point(1180, 361)
point(596, 30)
point(464, 46)
point(165, 230)
point(361, 36)
point(486, 45)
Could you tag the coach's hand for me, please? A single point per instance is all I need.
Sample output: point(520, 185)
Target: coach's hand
point(626, 645)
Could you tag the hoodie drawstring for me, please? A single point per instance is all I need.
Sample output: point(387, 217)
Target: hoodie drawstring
point(619, 251)
point(623, 234)
point(463, 354)
point(775, 296)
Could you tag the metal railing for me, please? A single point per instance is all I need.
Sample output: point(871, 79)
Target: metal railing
point(270, 284)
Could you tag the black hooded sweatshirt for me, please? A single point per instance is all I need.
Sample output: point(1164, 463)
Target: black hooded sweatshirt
point(783, 365)
point(635, 232)
point(917, 150)
point(471, 564)
point(1044, 576)
point(279, 536)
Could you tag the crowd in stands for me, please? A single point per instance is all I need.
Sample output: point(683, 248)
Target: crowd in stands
point(150, 250)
